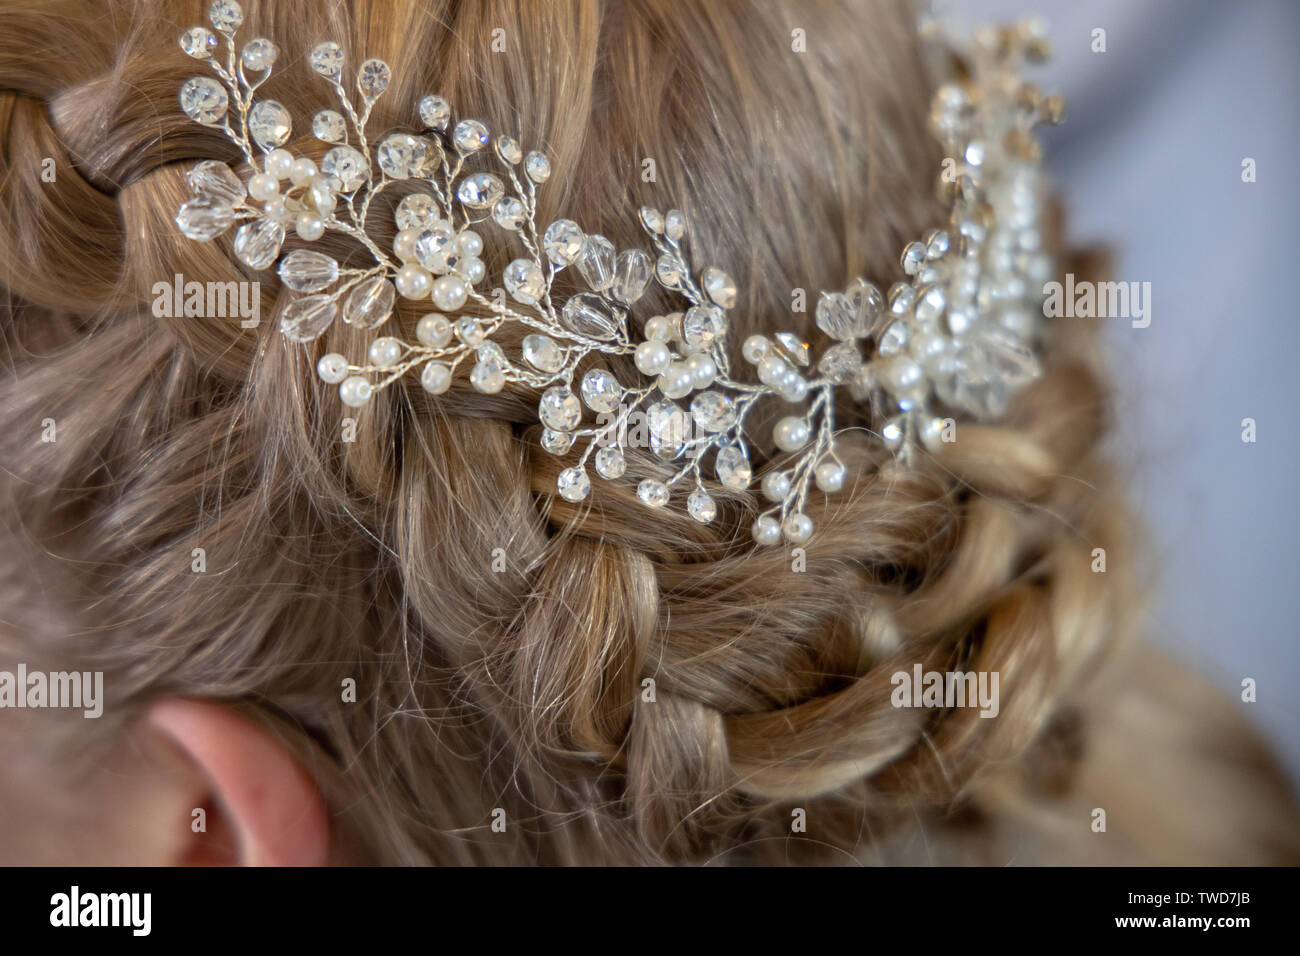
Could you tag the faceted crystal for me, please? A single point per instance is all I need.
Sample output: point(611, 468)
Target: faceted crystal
point(610, 462)
point(733, 468)
point(652, 219)
point(701, 506)
point(394, 155)
point(913, 258)
point(702, 326)
point(508, 149)
point(557, 443)
point(198, 42)
point(574, 485)
point(306, 318)
point(370, 303)
point(204, 218)
point(793, 347)
point(469, 135)
point(226, 16)
point(373, 77)
point(669, 427)
point(837, 316)
point(216, 180)
point(306, 271)
point(509, 213)
point(586, 315)
point(480, 190)
point(868, 302)
point(562, 242)
point(524, 281)
point(719, 286)
point(487, 378)
point(327, 60)
point(674, 224)
point(204, 100)
point(596, 262)
point(840, 363)
point(559, 409)
point(347, 165)
point(434, 244)
point(328, 126)
point(893, 339)
point(713, 411)
point(541, 352)
point(538, 167)
point(257, 243)
point(601, 391)
point(270, 124)
point(259, 54)
point(632, 272)
point(435, 112)
point(470, 331)
point(653, 493)
point(668, 271)
point(416, 211)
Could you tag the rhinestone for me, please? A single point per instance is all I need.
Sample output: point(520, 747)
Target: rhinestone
point(198, 42)
point(416, 211)
point(509, 213)
point(538, 167)
point(369, 305)
point(653, 493)
point(394, 155)
point(733, 468)
point(257, 243)
point(487, 378)
point(541, 352)
point(226, 16)
point(557, 443)
point(931, 303)
point(480, 190)
point(610, 462)
point(601, 391)
point(434, 244)
point(489, 351)
point(674, 224)
point(893, 339)
point(327, 60)
point(259, 54)
point(469, 135)
point(574, 485)
point(328, 126)
point(560, 409)
point(204, 100)
point(270, 124)
point(652, 219)
point(721, 288)
point(585, 315)
point(204, 218)
point(631, 275)
point(669, 427)
point(913, 258)
point(562, 242)
point(596, 262)
point(305, 319)
point(713, 411)
point(509, 150)
point(435, 112)
point(702, 326)
point(668, 271)
point(524, 281)
point(892, 433)
point(347, 165)
point(793, 346)
point(373, 77)
point(701, 507)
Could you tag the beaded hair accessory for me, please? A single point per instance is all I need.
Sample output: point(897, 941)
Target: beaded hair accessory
point(958, 338)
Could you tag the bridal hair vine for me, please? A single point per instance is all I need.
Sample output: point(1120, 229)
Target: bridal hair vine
point(959, 337)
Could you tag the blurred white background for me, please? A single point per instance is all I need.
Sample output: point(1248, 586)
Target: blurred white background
point(1149, 163)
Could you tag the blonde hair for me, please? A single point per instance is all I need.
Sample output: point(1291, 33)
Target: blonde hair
point(526, 689)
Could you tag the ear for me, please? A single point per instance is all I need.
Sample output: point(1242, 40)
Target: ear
point(261, 807)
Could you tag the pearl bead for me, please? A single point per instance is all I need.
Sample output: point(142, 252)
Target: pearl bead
point(385, 351)
point(797, 528)
point(355, 391)
point(309, 226)
point(902, 375)
point(279, 163)
point(703, 369)
point(790, 433)
point(794, 388)
point(652, 357)
point(332, 368)
point(433, 330)
point(263, 186)
point(772, 371)
point(658, 328)
point(755, 349)
point(766, 531)
point(404, 244)
point(450, 292)
point(436, 378)
point(830, 476)
point(676, 381)
point(775, 485)
point(471, 243)
point(303, 171)
point(471, 270)
point(413, 282)
point(276, 210)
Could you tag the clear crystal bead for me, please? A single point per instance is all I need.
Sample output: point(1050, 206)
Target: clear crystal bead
point(675, 224)
point(470, 331)
point(840, 363)
point(269, 124)
point(480, 190)
point(541, 352)
point(702, 326)
point(370, 303)
point(668, 271)
point(701, 507)
point(562, 242)
point(596, 262)
point(573, 484)
point(469, 135)
point(601, 390)
point(652, 492)
point(259, 54)
point(198, 42)
point(537, 166)
point(559, 409)
point(489, 351)
point(669, 427)
point(347, 165)
point(869, 303)
point(719, 287)
point(373, 77)
point(713, 411)
point(524, 281)
point(487, 378)
point(257, 243)
point(652, 219)
point(204, 100)
point(585, 314)
point(204, 218)
point(305, 319)
point(226, 15)
point(327, 60)
point(837, 316)
point(509, 213)
point(610, 462)
point(306, 271)
point(416, 211)
point(509, 150)
point(435, 112)
point(328, 126)
point(217, 180)
point(733, 468)
point(632, 272)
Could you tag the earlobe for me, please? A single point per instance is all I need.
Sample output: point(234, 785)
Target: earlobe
point(264, 805)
